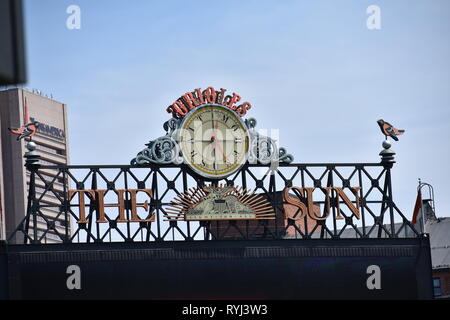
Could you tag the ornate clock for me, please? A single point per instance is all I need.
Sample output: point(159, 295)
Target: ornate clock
point(214, 141)
point(207, 133)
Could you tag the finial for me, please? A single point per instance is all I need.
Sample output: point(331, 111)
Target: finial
point(31, 146)
point(31, 156)
point(387, 154)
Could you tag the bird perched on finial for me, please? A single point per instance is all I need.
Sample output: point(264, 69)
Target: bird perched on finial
point(28, 129)
point(388, 130)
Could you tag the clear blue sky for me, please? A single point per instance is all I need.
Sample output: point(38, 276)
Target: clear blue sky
point(310, 68)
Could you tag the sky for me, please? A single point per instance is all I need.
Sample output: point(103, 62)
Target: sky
point(311, 69)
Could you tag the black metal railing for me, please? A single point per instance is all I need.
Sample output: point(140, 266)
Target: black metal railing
point(55, 215)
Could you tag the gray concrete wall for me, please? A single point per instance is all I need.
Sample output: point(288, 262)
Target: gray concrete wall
point(14, 183)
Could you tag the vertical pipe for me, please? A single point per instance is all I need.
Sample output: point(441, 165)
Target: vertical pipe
point(333, 196)
point(66, 206)
point(156, 199)
point(361, 196)
point(92, 206)
point(244, 187)
point(275, 202)
point(390, 202)
point(30, 204)
point(127, 208)
point(185, 188)
point(383, 205)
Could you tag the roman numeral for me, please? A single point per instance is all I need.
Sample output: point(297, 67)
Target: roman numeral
point(235, 127)
point(225, 118)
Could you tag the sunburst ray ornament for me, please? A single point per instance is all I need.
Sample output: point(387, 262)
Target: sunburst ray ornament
point(209, 203)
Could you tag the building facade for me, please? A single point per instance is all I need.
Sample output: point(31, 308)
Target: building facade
point(52, 146)
point(439, 229)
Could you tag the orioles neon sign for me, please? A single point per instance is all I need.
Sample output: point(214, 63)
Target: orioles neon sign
point(191, 100)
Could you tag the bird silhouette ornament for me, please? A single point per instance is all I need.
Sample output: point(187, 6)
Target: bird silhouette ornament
point(28, 129)
point(389, 131)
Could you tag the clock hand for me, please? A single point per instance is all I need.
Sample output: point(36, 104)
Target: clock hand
point(221, 150)
point(215, 127)
point(213, 138)
point(235, 140)
point(216, 143)
point(193, 141)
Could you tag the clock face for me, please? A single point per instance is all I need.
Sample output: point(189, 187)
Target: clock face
point(214, 141)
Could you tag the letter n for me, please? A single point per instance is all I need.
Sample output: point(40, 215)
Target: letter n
point(353, 208)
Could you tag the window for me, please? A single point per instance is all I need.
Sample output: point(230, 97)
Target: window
point(437, 287)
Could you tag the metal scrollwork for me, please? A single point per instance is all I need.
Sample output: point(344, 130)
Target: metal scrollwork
point(284, 156)
point(171, 126)
point(165, 149)
point(162, 150)
point(264, 149)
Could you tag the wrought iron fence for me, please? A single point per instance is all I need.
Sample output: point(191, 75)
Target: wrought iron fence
point(55, 213)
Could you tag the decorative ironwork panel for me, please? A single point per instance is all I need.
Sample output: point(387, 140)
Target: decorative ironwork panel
point(83, 204)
